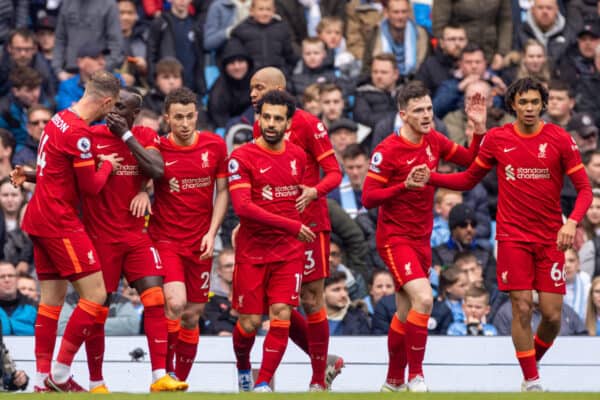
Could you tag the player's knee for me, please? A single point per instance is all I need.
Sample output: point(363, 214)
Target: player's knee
point(280, 312)
point(522, 309)
point(552, 317)
point(191, 315)
point(175, 307)
point(250, 323)
point(423, 303)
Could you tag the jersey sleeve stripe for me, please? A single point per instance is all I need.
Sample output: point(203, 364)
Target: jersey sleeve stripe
point(575, 169)
point(482, 164)
point(452, 151)
point(84, 163)
point(323, 155)
point(152, 148)
point(240, 186)
point(72, 255)
point(377, 177)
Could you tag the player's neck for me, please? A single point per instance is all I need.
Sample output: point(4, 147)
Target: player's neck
point(410, 135)
point(526, 129)
point(84, 110)
point(275, 147)
point(187, 142)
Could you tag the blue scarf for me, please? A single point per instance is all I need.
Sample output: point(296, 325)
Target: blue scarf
point(406, 53)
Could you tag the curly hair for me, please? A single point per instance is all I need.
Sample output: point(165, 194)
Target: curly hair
point(524, 85)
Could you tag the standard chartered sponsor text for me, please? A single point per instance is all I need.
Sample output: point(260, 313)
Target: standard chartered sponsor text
point(533, 173)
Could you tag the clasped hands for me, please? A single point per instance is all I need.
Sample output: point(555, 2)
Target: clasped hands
point(418, 177)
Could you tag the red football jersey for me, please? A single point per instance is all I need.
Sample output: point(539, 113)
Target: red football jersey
point(183, 202)
point(407, 217)
point(273, 180)
point(65, 144)
point(107, 216)
point(530, 171)
point(308, 132)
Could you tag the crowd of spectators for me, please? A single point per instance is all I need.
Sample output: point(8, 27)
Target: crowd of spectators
point(346, 61)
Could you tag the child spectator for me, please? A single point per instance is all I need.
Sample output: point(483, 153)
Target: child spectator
point(310, 99)
point(577, 284)
point(592, 318)
point(331, 31)
point(355, 283)
point(313, 68)
point(168, 76)
point(27, 286)
point(476, 307)
point(381, 284)
point(447, 307)
point(266, 37)
point(444, 200)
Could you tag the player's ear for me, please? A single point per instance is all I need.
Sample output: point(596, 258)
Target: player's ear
point(288, 124)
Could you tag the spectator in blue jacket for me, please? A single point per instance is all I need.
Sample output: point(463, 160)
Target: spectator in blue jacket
point(476, 307)
point(17, 312)
point(37, 118)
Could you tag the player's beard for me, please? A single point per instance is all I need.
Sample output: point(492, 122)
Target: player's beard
point(273, 139)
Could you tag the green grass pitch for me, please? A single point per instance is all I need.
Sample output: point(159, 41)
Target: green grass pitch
point(319, 396)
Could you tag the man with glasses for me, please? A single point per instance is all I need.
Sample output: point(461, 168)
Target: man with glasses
point(463, 222)
point(37, 118)
point(17, 312)
point(440, 65)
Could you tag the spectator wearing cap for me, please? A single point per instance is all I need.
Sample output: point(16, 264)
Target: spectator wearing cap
point(238, 135)
point(355, 165)
point(578, 60)
point(21, 51)
point(25, 91)
point(545, 23)
point(462, 222)
point(90, 59)
point(584, 130)
point(135, 36)
point(176, 34)
point(230, 95)
point(588, 88)
point(83, 21)
point(342, 132)
point(45, 34)
point(580, 11)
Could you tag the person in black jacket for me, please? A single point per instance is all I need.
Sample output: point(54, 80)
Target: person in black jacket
point(578, 61)
point(344, 317)
point(230, 95)
point(266, 37)
point(177, 34)
point(168, 76)
point(439, 66)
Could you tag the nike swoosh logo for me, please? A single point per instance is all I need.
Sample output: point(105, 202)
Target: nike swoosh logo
point(508, 150)
point(410, 161)
point(556, 284)
point(294, 297)
point(103, 146)
point(169, 163)
point(263, 170)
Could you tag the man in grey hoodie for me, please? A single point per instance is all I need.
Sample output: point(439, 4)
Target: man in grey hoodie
point(546, 24)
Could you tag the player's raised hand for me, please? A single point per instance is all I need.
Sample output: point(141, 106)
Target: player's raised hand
point(476, 109)
point(17, 176)
point(117, 124)
point(306, 234)
point(566, 235)
point(113, 158)
point(207, 246)
point(139, 204)
point(308, 194)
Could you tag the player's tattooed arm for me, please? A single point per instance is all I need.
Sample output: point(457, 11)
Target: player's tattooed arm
point(19, 175)
point(150, 161)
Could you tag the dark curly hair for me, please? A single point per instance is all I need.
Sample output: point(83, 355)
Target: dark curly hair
point(278, 98)
point(524, 85)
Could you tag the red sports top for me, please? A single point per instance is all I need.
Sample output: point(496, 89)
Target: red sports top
point(406, 216)
point(183, 202)
point(65, 166)
point(264, 186)
point(530, 172)
point(107, 216)
point(308, 132)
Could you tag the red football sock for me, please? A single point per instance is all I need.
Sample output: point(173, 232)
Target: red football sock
point(186, 349)
point(155, 328)
point(94, 347)
point(299, 330)
point(528, 364)
point(416, 340)
point(46, 325)
point(172, 335)
point(318, 344)
point(541, 347)
point(273, 349)
point(242, 345)
point(396, 352)
point(78, 329)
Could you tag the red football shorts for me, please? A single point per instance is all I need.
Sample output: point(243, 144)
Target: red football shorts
point(135, 258)
point(257, 286)
point(186, 267)
point(316, 258)
point(527, 266)
point(406, 262)
point(72, 257)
